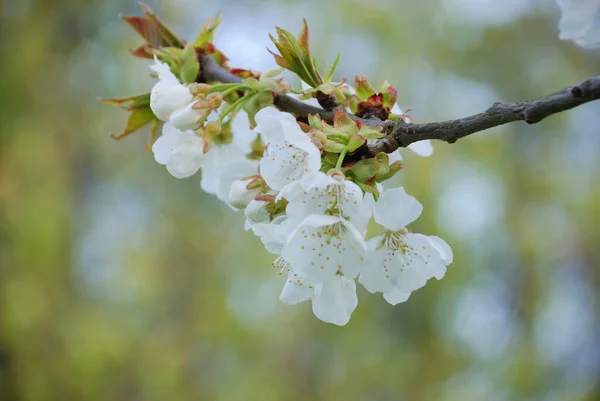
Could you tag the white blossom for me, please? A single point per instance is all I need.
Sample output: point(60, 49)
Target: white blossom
point(182, 152)
point(321, 247)
point(399, 261)
point(320, 193)
point(168, 94)
point(290, 152)
point(580, 22)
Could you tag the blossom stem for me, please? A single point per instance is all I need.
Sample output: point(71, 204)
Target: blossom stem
point(234, 106)
point(341, 158)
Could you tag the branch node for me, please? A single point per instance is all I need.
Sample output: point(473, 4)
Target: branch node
point(577, 91)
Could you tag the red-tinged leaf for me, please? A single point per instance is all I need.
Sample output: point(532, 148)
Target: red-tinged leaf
point(376, 100)
point(144, 51)
point(303, 38)
point(390, 95)
point(341, 119)
point(151, 28)
point(137, 119)
point(280, 60)
point(130, 102)
point(242, 73)
point(363, 88)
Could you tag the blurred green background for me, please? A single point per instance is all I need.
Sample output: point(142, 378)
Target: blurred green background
point(119, 282)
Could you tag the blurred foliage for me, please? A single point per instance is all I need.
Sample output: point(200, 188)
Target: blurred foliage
point(118, 282)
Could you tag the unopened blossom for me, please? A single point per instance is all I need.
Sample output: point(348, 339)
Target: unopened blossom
point(168, 94)
point(257, 211)
point(239, 194)
point(182, 152)
point(400, 262)
point(321, 247)
point(333, 300)
point(580, 22)
point(290, 153)
point(320, 193)
point(196, 113)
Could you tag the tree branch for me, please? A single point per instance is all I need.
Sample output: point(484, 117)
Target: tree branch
point(401, 134)
point(533, 111)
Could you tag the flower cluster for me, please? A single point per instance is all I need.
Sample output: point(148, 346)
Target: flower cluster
point(306, 191)
point(314, 219)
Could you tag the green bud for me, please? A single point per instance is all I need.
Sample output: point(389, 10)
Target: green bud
point(355, 142)
point(365, 170)
point(332, 146)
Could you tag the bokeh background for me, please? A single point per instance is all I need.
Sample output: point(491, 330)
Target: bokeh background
point(119, 282)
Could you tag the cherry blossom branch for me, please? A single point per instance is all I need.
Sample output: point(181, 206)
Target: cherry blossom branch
point(401, 134)
point(533, 111)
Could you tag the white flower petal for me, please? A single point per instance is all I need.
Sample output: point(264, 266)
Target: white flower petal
point(442, 247)
point(580, 22)
point(186, 159)
point(256, 212)
point(274, 234)
point(284, 163)
point(187, 118)
point(268, 122)
point(396, 296)
point(395, 156)
point(422, 148)
point(397, 110)
point(322, 246)
point(240, 196)
point(164, 71)
point(165, 144)
point(325, 195)
point(334, 300)
point(396, 209)
point(374, 276)
point(295, 291)
point(167, 97)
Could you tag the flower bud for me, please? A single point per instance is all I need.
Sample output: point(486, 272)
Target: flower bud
point(240, 196)
point(168, 94)
point(167, 97)
point(256, 212)
point(189, 117)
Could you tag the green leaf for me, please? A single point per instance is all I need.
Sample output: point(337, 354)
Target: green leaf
point(137, 119)
point(130, 102)
point(189, 71)
point(207, 33)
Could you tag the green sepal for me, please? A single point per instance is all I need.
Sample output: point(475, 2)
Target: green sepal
point(334, 147)
point(365, 170)
point(355, 142)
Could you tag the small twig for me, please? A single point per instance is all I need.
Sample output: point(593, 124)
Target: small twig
point(401, 134)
